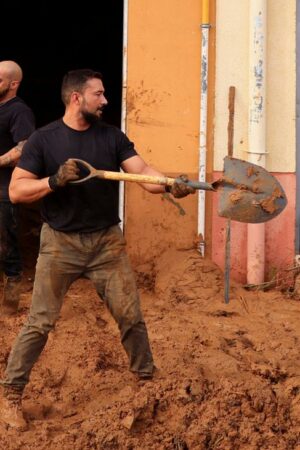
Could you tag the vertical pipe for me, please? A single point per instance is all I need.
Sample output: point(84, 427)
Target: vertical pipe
point(227, 261)
point(124, 101)
point(203, 122)
point(257, 129)
point(230, 130)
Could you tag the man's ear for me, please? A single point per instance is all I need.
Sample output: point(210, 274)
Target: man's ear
point(14, 84)
point(75, 97)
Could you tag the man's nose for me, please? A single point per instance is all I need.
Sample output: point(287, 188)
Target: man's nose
point(104, 100)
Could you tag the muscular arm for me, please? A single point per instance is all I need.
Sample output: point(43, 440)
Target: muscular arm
point(25, 187)
point(137, 165)
point(11, 157)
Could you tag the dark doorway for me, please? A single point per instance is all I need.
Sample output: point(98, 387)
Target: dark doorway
point(48, 38)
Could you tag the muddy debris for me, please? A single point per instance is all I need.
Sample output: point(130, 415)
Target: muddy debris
point(228, 375)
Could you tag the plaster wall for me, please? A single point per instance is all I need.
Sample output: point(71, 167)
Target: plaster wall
point(232, 57)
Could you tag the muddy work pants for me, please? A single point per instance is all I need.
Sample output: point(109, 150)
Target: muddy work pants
point(64, 257)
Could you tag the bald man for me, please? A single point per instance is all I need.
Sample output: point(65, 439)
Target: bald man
point(16, 125)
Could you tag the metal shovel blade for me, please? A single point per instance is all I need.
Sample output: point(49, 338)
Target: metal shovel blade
point(248, 193)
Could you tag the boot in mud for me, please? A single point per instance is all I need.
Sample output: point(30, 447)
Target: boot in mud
point(11, 408)
point(11, 294)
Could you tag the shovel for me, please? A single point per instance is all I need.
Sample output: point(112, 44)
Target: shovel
point(248, 193)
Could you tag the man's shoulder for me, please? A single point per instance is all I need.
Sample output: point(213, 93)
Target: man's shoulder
point(50, 127)
point(47, 132)
point(17, 104)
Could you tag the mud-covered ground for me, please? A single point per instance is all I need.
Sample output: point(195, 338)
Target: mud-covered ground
point(228, 375)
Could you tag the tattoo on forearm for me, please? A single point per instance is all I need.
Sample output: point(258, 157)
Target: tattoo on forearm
point(12, 156)
point(19, 146)
point(5, 161)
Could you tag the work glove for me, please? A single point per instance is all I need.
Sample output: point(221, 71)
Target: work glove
point(68, 171)
point(178, 189)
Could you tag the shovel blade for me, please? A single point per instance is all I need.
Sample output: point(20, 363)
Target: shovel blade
point(249, 193)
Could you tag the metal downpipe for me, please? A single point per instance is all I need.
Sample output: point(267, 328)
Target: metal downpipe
point(203, 123)
point(257, 129)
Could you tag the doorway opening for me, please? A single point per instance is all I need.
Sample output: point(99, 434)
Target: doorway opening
point(48, 41)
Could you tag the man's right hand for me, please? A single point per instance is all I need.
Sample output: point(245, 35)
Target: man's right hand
point(68, 171)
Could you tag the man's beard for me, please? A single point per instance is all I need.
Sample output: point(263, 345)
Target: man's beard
point(3, 93)
point(90, 118)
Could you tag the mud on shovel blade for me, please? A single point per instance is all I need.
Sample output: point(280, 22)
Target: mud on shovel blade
point(248, 193)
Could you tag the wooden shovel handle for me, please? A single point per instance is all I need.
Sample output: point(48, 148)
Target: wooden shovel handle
point(122, 176)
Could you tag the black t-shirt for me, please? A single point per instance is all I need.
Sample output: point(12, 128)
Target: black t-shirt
point(92, 205)
point(16, 124)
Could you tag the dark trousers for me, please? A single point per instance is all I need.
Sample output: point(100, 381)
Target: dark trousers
point(10, 256)
point(64, 257)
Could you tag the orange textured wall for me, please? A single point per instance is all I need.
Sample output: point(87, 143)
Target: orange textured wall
point(163, 102)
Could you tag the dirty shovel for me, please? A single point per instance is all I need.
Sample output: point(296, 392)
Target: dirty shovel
point(248, 193)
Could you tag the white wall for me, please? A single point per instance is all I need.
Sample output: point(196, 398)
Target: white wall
point(232, 55)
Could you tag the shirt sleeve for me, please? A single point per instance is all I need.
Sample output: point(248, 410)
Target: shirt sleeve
point(22, 125)
point(32, 158)
point(125, 148)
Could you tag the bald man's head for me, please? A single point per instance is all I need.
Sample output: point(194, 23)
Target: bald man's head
point(12, 70)
point(10, 79)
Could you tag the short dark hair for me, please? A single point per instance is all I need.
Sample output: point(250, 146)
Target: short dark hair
point(75, 80)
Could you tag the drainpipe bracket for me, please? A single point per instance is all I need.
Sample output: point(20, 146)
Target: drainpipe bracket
point(257, 153)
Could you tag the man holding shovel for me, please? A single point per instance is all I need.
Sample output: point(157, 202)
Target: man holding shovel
point(80, 235)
